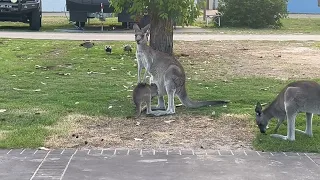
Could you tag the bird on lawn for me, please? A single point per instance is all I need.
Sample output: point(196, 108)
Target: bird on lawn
point(87, 44)
point(127, 48)
point(108, 49)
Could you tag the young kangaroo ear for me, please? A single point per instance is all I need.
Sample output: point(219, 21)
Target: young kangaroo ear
point(146, 28)
point(258, 108)
point(136, 27)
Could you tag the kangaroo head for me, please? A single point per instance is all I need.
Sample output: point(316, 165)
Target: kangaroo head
point(260, 119)
point(141, 35)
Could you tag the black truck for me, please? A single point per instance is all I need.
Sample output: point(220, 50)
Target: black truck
point(26, 11)
point(81, 10)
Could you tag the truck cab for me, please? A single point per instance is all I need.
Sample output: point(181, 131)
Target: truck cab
point(26, 11)
point(81, 10)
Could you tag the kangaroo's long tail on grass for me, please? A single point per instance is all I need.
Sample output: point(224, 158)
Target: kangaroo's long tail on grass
point(183, 96)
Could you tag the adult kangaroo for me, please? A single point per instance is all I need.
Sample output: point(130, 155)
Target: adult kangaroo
point(168, 74)
point(296, 97)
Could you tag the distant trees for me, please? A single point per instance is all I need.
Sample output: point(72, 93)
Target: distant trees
point(162, 13)
point(252, 13)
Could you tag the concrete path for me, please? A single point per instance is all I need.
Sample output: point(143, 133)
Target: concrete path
point(130, 36)
point(110, 164)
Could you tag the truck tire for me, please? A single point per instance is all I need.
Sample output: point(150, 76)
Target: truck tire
point(35, 20)
point(80, 24)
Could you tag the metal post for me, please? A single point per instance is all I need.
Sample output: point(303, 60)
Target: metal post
point(101, 5)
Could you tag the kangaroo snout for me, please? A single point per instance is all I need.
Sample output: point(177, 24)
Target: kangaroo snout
point(262, 129)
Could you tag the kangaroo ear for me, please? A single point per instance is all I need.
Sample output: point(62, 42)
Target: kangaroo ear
point(136, 27)
point(147, 27)
point(258, 108)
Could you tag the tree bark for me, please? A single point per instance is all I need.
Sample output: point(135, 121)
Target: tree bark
point(161, 34)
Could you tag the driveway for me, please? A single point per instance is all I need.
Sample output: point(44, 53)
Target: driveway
point(130, 37)
point(126, 164)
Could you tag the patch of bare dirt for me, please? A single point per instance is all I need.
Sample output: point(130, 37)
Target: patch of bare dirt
point(196, 132)
point(228, 59)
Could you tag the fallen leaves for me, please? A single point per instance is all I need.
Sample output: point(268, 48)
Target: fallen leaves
point(44, 149)
point(169, 121)
point(64, 74)
point(18, 89)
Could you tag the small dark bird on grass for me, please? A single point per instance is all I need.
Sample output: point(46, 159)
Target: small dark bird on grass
point(87, 44)
point(108, 49)
point(127, 48)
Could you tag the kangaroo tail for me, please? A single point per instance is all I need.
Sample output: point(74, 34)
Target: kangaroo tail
point(196, 104)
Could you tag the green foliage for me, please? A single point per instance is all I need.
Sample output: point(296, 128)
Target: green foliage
point(253, 14)
point(183, 11)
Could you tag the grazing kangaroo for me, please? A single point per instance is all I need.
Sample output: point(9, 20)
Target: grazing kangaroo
point(143, 93)
point(296, 97)
point(167, 73)
point(141, 61)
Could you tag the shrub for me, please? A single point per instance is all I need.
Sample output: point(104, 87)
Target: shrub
point(252, 13)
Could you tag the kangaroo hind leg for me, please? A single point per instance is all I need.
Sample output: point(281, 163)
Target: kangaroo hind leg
point(171, 106)
point(308, 130)
point(161, 104)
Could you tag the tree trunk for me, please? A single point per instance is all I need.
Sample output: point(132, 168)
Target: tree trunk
point(161, 34)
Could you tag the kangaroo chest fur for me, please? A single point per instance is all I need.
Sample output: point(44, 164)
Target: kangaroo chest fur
point(141, 57)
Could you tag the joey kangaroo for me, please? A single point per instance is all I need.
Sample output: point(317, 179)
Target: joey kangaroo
point(143, 93)
point(141, 61)
point(296, 97)
point(167, 73)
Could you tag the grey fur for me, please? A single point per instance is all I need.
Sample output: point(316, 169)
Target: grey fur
point(296, 97)
point(167, 73)
point(143, 93)
point(142, 63)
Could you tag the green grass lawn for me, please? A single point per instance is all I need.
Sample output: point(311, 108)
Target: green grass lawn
point(43, 81)
point(290, 26)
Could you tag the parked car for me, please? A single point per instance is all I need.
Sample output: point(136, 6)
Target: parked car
point(26, 11)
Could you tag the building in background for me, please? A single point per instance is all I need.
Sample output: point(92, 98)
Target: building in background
point(304, 6)
point(294, 6)
point(212, 4)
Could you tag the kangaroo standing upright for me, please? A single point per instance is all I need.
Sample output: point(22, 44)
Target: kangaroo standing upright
point(167, 73)
point(296, 97)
